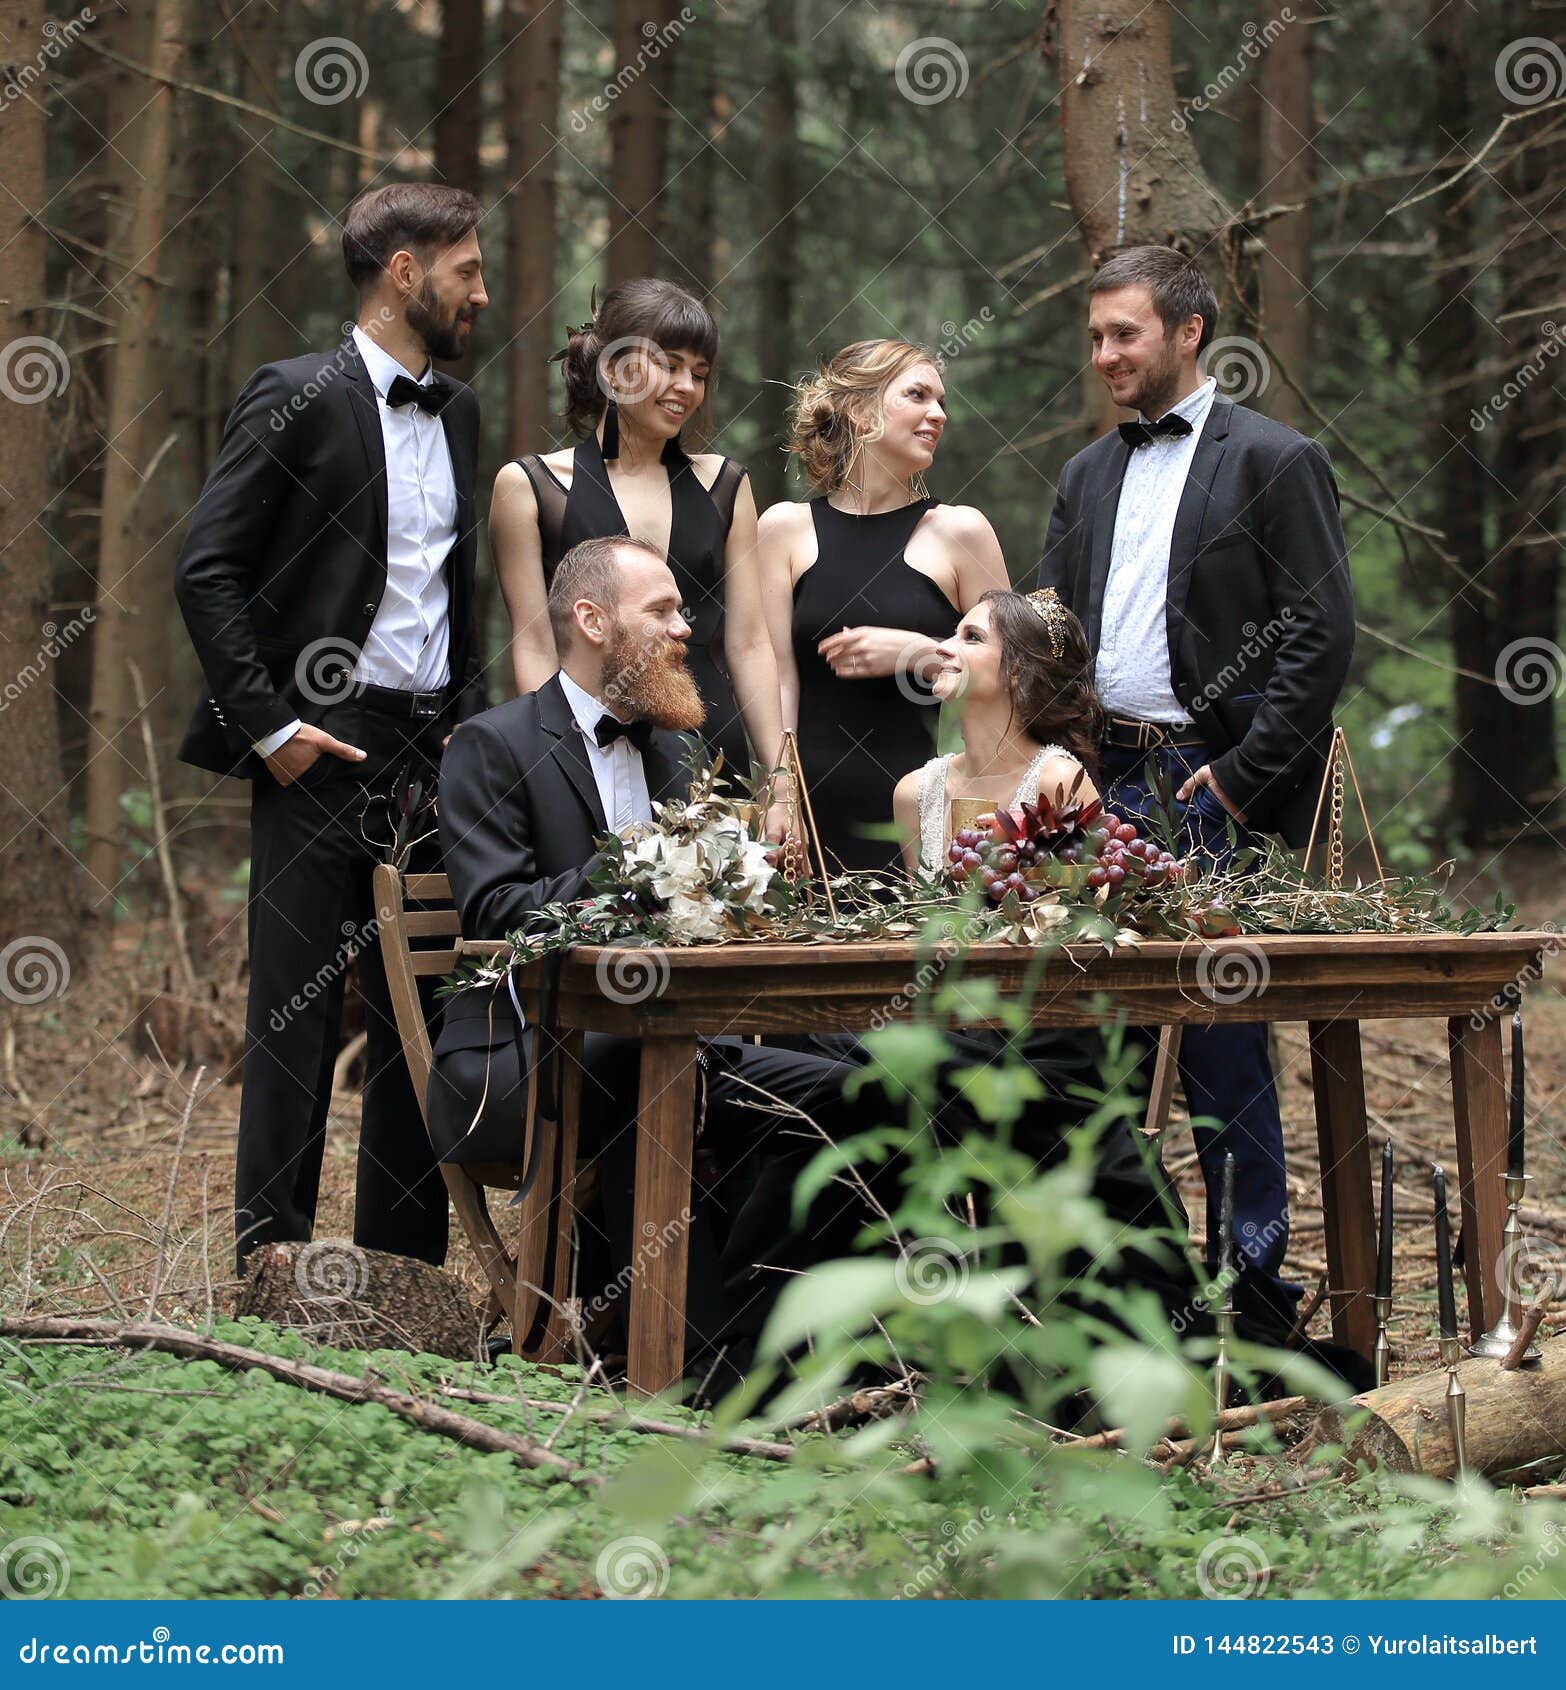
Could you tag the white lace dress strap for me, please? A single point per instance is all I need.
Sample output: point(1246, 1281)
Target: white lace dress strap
point(933, 813)
point(1028, 787)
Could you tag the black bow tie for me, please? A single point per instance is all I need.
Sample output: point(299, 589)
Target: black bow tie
point(1170, 426)
point(430, 396)
point(610, 728)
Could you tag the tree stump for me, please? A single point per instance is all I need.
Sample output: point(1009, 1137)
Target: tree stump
point(355, 1299)
point(1513, 1418)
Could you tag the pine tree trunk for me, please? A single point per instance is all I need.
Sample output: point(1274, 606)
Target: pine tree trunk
point(1288, 174)
point(459, 112)
point(644, 35)
point(114, 758)
point(779, 250)
point(36, 887)
point(261, 238)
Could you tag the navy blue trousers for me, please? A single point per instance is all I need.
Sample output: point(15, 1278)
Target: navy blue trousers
point(1226, 1070)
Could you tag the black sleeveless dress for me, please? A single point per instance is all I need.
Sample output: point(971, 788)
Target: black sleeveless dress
point(698, 538)
point(858, 738)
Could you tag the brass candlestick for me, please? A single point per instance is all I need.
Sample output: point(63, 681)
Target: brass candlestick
point(1383, 1350)
point(1456, 1402)
point(1499, 1339)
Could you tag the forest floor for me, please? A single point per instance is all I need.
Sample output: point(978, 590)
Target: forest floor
point(117, 1168)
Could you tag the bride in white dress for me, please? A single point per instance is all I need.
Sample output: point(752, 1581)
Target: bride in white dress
point(1019, 670)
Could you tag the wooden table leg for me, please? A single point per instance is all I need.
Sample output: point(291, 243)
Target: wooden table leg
point(1479, 1103)
point(665, 1142)
point(1347, 1214)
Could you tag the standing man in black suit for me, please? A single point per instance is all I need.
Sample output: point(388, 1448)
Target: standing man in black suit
point(327, 583)
point(1201, 547)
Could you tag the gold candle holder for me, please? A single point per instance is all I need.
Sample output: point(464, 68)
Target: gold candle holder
point(1383, 1351)
point(1456, 1402)
point(966, 812)
point(1497, 1342)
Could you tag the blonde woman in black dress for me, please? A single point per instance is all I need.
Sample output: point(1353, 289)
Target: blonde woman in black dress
point(634, 378)
point(864, 582)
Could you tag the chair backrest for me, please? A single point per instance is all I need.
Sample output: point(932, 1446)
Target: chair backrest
point(420, 937)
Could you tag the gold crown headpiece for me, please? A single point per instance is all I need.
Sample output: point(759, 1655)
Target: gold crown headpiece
point(1052, 613)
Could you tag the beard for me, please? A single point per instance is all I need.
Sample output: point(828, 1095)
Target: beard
point(1157, 384)
point(444, 333)
point(649, 676)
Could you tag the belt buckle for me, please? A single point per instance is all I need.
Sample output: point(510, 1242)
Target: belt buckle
point(425, 710)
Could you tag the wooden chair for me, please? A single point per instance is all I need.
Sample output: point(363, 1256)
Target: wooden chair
point(425, 942)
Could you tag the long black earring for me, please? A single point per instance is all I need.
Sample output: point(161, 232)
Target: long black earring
point(611, 446)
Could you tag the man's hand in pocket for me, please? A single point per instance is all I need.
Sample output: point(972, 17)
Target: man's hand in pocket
point(303, 749)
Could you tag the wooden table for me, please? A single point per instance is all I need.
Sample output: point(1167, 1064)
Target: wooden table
point(1332, 982)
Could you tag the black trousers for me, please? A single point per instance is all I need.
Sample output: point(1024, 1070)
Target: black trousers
point(313, 848)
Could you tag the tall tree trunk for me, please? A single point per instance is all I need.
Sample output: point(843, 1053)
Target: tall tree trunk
point(1448, 350)
point(459, 111)
point(1288, 154)
point(644, 33)
point(532, 91)
point(35, 890)
point(779, 249)
point(114, 760)
point(263, 230)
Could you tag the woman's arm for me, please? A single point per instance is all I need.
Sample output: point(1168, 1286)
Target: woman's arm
point(1057, 777)
point(976, 553)
point(747, 640)
point(774, 549)
point(518, 552)
point(905, 812)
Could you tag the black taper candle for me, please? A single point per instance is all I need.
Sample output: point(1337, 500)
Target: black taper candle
point(1445, 1300)
point(1226, 1218)
point(1514, 1138)
point(1384, 1260)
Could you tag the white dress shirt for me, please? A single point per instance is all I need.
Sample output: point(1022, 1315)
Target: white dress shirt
point(408, 646)
point(1133, 646)
point(617, 766)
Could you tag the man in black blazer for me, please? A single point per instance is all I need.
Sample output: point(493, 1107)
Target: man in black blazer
point(1201, 548)
point(527, 790)
point(327, 583)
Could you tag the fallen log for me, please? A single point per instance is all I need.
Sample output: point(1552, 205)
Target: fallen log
point(1514, 1418)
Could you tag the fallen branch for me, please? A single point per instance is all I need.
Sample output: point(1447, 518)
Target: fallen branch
point(1229, 1420)
point(873, 1403)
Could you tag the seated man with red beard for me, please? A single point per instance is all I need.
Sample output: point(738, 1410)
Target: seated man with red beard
point(526, 791)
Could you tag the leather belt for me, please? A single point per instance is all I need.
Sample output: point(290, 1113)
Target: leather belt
point(1128, 733)
point(407, 706)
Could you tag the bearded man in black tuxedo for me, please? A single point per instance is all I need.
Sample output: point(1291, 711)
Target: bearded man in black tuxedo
point(1201, 548)
point(327, 583)
point(527, 790)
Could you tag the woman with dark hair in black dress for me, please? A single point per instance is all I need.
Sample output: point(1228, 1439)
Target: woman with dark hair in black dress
point(863, 583)
point(634, 377)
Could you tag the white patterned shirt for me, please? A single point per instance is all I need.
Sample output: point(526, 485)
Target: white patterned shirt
point(1133, 648)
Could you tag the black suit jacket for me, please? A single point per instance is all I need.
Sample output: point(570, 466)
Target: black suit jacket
point(284, 563)
point(1260, 613)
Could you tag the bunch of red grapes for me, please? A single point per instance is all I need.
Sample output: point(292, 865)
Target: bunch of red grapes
point(1039, 849)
